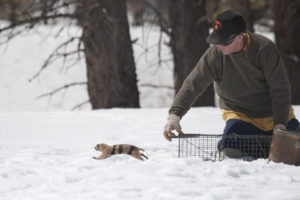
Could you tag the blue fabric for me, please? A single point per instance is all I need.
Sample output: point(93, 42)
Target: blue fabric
point(249, 139)
point(244, 128)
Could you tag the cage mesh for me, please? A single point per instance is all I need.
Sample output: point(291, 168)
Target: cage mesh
point(217, 147)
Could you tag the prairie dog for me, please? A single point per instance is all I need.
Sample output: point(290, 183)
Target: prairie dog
point(108, 151)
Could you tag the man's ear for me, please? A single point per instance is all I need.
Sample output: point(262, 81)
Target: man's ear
point(240, 37)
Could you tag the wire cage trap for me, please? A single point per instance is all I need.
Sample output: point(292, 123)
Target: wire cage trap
point(218, 147)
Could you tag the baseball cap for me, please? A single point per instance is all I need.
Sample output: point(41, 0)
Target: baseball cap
point(227, 25)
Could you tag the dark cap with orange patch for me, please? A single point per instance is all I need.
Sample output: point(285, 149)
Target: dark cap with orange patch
point(226, 24)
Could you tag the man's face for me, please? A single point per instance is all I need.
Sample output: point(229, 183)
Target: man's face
point(235, 46)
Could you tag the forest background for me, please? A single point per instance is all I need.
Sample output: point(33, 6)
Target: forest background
point(107, 39)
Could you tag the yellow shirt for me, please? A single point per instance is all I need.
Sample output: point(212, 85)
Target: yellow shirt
point(265, 124)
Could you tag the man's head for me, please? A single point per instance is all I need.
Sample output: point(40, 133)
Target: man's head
point(227, 33)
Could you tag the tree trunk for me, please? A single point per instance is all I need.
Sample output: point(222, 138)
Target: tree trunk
point(108, 51)
point(189, 31)
point(287, 31)
point(242, 7)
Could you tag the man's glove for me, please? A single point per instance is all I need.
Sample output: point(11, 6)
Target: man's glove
point(280, 127)
point(172, 124)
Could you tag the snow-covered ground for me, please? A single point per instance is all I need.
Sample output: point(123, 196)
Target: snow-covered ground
point(46, 151)
point(49, 156)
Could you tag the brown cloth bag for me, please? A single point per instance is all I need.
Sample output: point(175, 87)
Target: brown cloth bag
point(285, 147)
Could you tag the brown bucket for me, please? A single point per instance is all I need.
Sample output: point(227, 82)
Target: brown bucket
point(285, 147)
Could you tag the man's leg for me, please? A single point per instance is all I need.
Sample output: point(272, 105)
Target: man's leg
point(239, 127)
point(235, 137)
point(293, 125)
point(238, 140)
point(244, 128)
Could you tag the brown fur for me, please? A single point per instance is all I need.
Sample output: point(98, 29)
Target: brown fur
point(108, 151)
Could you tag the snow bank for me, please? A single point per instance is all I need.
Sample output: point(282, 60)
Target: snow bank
point(49, 156)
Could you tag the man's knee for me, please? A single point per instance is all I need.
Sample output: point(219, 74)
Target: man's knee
point(293, 125)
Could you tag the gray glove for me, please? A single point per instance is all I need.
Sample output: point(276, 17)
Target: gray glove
point(172, 124)
point(280, 127)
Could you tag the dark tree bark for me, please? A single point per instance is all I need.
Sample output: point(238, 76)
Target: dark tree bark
point(189, 30)
point(108, 51)
point(287, 32)
point(242, 7)
point(105, 43)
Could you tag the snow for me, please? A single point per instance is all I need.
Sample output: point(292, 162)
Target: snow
point(48, 155)
point(46, 151)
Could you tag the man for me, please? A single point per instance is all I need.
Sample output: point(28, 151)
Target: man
point(249, 77)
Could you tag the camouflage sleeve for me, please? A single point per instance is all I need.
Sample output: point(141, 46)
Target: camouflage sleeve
point(277, 80)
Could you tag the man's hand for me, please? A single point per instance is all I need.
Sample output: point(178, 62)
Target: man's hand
point(280, 127)
point(172, 124)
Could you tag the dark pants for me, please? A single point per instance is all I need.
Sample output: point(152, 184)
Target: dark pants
point(244, 128)
point(249, 139)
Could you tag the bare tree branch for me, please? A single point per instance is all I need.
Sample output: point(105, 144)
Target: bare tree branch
point(79, 106)
point(34, 20)
point(65, 87)
point(49, 12)
point(156, 86)
point(164, 25)
point(55, 55)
